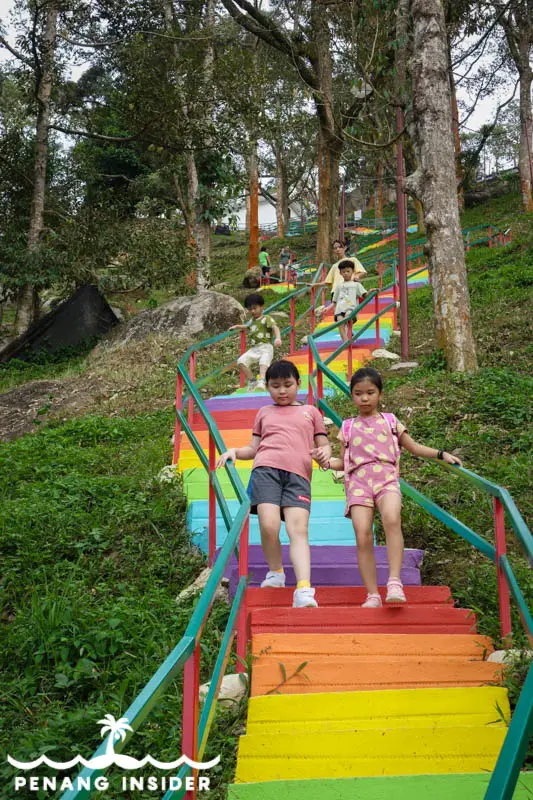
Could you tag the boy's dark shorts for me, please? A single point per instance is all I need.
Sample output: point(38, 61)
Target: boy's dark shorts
point(279, 487)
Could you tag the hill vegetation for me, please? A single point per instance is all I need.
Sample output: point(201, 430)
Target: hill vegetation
point(95, 549)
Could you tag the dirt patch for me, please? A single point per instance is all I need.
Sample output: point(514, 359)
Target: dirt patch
point(133, 379)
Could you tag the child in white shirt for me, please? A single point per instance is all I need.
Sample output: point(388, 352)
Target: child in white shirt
point(346, 296)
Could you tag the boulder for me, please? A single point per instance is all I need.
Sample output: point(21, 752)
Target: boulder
point(232, 689)
point(183, 318)
point(381, 353)
point(252, 278)
point(509, 657)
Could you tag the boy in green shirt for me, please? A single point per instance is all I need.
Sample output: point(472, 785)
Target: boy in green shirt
point(264, 335)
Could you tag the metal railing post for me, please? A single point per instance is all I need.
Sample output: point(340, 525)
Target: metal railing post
point(313, 318)
point(380, 274)
point(350, 353)
point(376, 311)
point(177, 424)
point(192, 375)
point(243, 350)
point(212, 530)
point(293, 330)
point(191, 686)
point(503, 589)
point(242, 634)
point(489, 230)
point(309, 373)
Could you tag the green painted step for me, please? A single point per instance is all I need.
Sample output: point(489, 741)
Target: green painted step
point(436, 787)
point(196, 484)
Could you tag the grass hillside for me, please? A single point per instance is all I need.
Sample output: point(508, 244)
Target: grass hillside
point(95, 550)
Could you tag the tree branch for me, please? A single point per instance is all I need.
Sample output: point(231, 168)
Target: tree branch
point(372, 144)
point(100, 136)
point(18, 55)
point(265, 29)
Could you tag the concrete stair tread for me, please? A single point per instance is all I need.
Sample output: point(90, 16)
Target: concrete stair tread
point(371, 752)
point(404, 708)
point(410, 787)
point(429, 645)
point(342, 674)
point(345, 596)
point(354, 619)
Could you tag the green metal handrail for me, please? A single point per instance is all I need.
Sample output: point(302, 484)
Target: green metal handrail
point(186, 654)
point(507, 769)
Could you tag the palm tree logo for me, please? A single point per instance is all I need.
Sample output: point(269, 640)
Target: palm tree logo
point(116, 728)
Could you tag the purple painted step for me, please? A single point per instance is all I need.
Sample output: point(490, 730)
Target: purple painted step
point(330, 566)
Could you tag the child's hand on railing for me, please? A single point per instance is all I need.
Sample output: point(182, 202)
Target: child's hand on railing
point(229, 455)
point(237, 327)
point(321, 456)
point(449, 458)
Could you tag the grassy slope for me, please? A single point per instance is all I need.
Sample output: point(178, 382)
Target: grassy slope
point(94, 551)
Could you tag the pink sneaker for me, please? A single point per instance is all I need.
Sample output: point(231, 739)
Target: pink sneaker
point(395, 593)
point(372, 601)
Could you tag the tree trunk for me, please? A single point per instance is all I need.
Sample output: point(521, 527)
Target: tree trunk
point(330, 140)
point(253, 183)
point(525, 165)
point(280, 192)
point(434, 184)
point(379, 201)
point(28, 299)
point(455, 131)
point(419, 208)
point(285, 201)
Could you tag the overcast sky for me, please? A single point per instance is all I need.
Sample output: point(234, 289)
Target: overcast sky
point(483, 113)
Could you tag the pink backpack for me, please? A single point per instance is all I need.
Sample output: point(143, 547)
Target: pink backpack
point(391, 421)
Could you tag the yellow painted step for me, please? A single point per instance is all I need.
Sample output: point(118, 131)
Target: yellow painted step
point(366, 753)
point(400, 708)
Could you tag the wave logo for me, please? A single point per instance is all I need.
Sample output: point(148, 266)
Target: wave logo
point(116, 728)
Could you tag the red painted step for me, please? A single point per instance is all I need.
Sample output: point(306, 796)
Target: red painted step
point(346, 596)
point(345, 619)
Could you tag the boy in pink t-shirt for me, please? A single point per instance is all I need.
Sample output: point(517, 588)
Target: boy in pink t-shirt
point(285, 439)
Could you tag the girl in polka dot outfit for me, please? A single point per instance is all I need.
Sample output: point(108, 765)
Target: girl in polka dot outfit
point(370, 456)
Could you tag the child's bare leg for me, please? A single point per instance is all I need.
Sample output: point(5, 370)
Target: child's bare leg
point(342, 331)
point(390, 509)
point(362, 518)
point(297, 526)
point(247, 372)
point(262, 371)
point(269, 525)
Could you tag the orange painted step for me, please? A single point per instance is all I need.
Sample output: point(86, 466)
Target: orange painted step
point(232, 438)
point(341, 674)
point(239, 419)
point(301, 358)
point(379, 646)
point(343, 619)
point(346, 596)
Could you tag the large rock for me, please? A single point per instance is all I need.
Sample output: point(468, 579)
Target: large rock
point(183, 318)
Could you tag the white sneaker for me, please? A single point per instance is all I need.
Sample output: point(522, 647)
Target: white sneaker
point(304, 598)
point(274, 579)
point(260, 386)
point(251, 386)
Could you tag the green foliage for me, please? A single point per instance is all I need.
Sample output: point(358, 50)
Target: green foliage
point(94, 552)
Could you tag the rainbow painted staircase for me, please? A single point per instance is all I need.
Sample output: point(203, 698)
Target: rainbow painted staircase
point(349, 702)
point(344, 702)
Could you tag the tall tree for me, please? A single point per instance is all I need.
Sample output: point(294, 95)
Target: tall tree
point(42, 45)
point(516, 20)
point(303, 33)
point(434, 184)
